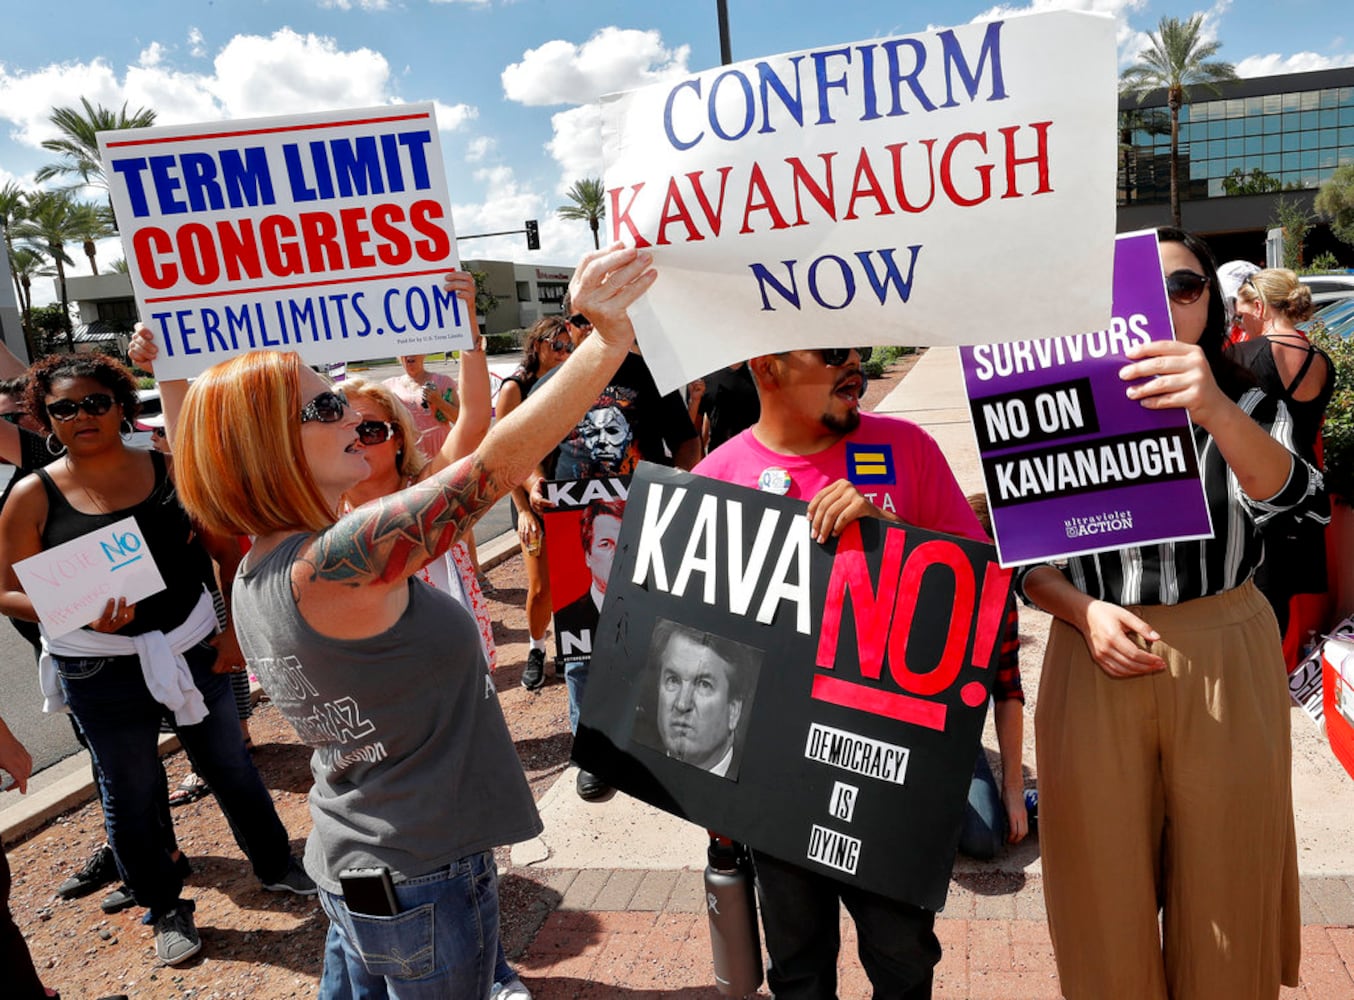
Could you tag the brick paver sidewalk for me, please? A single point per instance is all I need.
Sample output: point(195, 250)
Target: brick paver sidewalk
point(643, 934)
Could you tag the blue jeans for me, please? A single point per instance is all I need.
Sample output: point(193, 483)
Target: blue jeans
point(984, 829)
point(575, 680)
point(121, 722)
point(442, 944)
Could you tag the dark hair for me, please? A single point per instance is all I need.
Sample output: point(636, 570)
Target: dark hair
point(1231, 377)
point(108, 372)
point(602, 508)
point(17, 387)
point(542, 330)
point(743, 660)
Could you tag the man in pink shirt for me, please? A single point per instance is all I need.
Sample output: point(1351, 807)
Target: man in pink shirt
point(813, 443)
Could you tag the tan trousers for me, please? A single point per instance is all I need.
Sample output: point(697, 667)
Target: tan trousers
point(1173, 792)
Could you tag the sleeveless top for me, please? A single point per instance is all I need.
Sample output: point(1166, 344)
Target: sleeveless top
point(1258, 356)
point(168, 532)
point(413, 764)
point(524, 380)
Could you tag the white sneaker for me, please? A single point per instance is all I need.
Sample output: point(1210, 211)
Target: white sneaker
point(513, 989)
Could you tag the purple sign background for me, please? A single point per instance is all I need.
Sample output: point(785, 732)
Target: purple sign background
point(1071, 464)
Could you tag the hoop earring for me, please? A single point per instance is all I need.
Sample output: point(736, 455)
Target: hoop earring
point(125, 429)
point(59, 449)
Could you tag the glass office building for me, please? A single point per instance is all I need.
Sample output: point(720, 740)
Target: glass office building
point(1242, 149)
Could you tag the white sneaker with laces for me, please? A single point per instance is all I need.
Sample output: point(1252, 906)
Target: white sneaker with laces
point(513, 989)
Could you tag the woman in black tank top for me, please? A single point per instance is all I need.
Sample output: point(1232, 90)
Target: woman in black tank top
point(1289, 367)
point(86, 403)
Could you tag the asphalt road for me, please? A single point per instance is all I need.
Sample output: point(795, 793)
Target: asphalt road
point(49, 737)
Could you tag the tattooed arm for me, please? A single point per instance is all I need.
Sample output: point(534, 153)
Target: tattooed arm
point(349, 578)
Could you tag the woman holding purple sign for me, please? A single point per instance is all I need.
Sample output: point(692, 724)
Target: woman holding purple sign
point(1162, 724)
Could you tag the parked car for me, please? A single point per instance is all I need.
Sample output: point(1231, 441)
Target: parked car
point(1329, 287)
point(150, 408)
point(1337, 317)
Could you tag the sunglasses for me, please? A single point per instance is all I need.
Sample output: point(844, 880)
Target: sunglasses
point(327, 407)
point(157, 432)
point(1185, 287)
point(835, 357)
point(375, 431)
point(14, 416)
point(96, 404)
point(579, 321)
point(562, 345)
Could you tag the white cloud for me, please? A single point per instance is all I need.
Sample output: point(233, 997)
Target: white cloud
point(196, 43)
point(350, 4)
point(561, 72)
point(1300, 62)
point(252, 76)
point(450, 117)
point(576, 144)
point(479, 148)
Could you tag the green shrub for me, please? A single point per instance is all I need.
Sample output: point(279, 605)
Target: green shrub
point(882, 358)
point(503, 343)
point(1337, 434)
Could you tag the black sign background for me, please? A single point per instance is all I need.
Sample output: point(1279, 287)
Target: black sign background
point(908, 833)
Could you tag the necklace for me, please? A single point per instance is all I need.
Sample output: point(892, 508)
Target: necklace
point(98, 505)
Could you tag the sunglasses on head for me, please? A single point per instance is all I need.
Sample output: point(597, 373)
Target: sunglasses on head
point(579, 321)
point(327, 407)
point(96, 404)
point(1185, 287)
point(375, 431)
point(835, 357)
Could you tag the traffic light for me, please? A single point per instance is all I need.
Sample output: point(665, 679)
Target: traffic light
point(533, 235)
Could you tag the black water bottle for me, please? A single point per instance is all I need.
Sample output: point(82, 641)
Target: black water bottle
point(732, 906)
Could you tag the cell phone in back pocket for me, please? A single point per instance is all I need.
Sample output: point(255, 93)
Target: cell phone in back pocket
point(369, 891)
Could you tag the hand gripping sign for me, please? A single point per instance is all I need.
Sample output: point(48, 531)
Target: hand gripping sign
point(325, 234)
point(822, 703)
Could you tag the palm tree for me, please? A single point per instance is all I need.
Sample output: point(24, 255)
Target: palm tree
point(589, 205)
point(27, 264)
point(53, 220)
point(13, 207)
point(90, 223)
point(1175, 60)
point(78, 145)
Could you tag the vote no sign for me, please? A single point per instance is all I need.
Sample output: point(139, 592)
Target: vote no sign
point(71, 583)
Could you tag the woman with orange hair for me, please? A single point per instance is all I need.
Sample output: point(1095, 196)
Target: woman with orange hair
point(416, 778)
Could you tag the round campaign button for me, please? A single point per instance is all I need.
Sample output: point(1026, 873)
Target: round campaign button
point(774, 480)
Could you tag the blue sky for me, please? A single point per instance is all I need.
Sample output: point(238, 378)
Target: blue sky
point(515, 81)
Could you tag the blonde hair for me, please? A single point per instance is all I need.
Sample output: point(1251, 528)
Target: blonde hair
point(1280, 290)
point(237, 449)
point(411, 460)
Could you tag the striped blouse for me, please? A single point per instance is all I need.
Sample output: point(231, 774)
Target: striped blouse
point(1172, 572)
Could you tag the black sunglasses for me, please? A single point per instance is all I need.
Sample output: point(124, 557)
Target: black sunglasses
point(375, 431)
point(96, 404)
point(1184, 287)
point(835, 357)
point(327, 407)
point(579, 321)
point(158, 432)
point(14, 416)
point(563, 345)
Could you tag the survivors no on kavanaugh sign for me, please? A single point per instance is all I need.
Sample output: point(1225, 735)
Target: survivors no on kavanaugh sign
point(325, 234)
point(822, 703)
point(922, 187)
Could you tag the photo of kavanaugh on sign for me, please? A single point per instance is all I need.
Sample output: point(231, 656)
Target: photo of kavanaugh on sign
point(820, 702)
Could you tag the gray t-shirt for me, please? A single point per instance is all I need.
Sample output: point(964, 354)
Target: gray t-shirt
point(413, 764)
